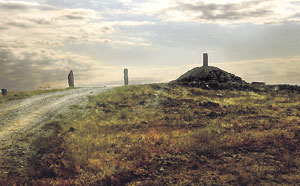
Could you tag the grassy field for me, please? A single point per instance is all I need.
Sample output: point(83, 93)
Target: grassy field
point(171, 135)
point(13, 95)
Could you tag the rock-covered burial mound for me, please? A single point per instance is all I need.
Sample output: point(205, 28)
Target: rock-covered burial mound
point(209, 74)
point(210, 77)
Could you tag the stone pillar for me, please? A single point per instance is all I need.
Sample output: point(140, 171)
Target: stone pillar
point(71, 79)
point(205, 59)
point(4, 92)
point(126, 76)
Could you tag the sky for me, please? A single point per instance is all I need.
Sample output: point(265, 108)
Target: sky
point(157, 40)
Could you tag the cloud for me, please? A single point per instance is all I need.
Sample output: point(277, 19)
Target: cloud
point(50, 23)
point(21, 5)
point(218, 11)
point(34, 40)
point(19, 24)
point(199, 11)
point(31, 69)
point(223, 12)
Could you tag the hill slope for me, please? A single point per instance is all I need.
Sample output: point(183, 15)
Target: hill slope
point(167, 134)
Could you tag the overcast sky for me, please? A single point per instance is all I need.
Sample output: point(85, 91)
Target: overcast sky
point(157, 40)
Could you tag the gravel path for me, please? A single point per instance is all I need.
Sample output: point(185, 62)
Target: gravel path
point(20, 119)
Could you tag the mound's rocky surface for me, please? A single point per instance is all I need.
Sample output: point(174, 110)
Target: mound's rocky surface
point(209, 74)
point(211, 77)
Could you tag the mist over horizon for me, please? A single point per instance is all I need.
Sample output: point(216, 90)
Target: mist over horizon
point(42, 40)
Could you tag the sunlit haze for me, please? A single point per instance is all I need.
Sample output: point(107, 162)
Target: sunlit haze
point(157, 40)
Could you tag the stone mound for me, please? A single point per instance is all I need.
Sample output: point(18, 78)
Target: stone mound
point(209, 77)
point(208, 74)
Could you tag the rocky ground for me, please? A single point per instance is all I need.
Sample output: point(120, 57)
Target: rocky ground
point(22, 120)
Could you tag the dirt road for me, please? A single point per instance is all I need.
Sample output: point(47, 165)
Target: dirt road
point(22, 119)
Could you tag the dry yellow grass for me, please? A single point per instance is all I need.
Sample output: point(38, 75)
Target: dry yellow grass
point(170, 135)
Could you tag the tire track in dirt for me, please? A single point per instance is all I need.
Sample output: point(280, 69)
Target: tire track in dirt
point(11, 110)
point(22, 118)
point(31, 111)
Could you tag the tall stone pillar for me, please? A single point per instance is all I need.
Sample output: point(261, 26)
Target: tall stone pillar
point(4, 92)
point(71, 79)
point(126, 76)
point(205, 59)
